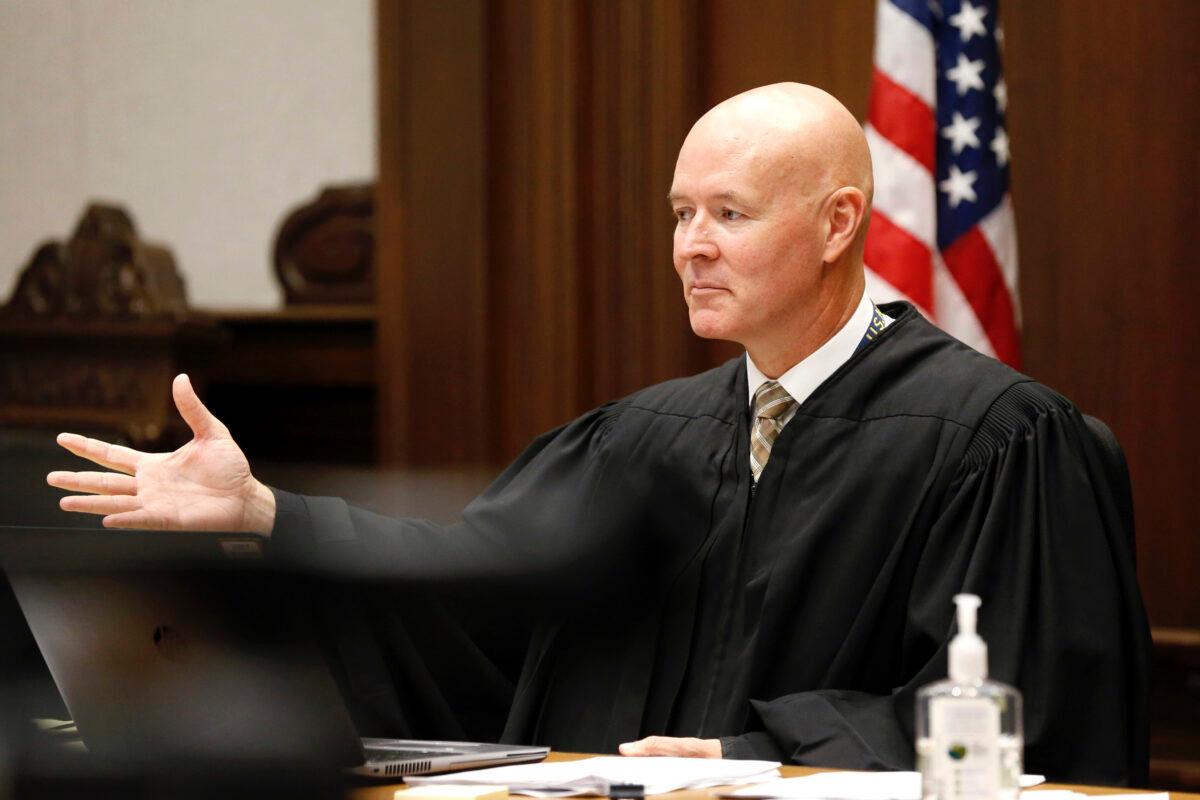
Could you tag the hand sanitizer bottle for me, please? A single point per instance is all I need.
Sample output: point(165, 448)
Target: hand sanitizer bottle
point(969, 735)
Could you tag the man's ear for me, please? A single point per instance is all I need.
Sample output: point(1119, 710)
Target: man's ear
point(846, 214)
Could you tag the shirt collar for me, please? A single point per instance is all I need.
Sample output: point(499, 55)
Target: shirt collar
point(803, 379)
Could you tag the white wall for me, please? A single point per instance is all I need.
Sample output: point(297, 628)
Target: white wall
point(207, 119)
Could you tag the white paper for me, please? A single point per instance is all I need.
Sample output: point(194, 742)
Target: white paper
point(656, 774)
point(1066, 794)
point(850, 786)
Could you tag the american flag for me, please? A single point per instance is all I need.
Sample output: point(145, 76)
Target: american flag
point(942, 233)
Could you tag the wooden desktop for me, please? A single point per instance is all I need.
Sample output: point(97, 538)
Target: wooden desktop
point(385, 792)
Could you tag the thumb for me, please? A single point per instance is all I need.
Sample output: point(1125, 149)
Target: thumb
point(203, 424)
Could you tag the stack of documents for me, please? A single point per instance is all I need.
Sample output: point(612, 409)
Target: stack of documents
point(655, 774)
point(594, 776)
point(850, 786)
point(1063, 794)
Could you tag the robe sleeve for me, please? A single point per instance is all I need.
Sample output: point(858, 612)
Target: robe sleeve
point(1030, 524)
point(541, 528)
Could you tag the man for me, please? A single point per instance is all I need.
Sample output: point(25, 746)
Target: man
point(758, 560)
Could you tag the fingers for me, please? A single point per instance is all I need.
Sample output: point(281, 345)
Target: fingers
point(93, 482)
point(132, 519)
point(672, 746)
point(637, 748)
point(651, 746)
point(113, 456)
point(203, 424)
point(100, 504)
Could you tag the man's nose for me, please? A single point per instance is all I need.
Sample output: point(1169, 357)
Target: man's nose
point(697, 240)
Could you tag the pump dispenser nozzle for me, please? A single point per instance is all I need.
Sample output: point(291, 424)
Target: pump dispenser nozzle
point(968, 653)
point(969, 732)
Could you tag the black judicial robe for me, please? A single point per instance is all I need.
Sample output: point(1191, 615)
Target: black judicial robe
point(654, 593)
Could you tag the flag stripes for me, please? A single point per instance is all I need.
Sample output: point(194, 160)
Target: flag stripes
point(942, 232)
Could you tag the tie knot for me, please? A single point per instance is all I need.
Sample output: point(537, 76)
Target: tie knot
point(771, 401)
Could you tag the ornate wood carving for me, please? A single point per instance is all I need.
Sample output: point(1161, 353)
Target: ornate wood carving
point(104, 271)
point(325, 249)
point(100, 375)
point(94, 331)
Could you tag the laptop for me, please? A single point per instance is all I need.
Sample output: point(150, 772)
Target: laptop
point(165, 645)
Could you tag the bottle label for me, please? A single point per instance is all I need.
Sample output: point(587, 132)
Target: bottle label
point(965, 755)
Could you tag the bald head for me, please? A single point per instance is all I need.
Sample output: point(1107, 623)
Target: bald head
point(804, 131)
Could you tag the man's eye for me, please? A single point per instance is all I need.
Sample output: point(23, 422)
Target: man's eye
point(730, 214)
point(683, 214)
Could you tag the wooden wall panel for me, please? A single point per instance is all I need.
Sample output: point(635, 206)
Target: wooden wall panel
point(533, 219)
point(431, 231)
point(827, 44)
point(1103, 123)
point(551, 290)
point(642, 99)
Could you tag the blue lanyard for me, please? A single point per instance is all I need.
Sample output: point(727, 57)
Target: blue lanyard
point(873, 330)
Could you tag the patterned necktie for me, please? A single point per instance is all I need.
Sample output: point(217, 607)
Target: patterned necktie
point(771, 406)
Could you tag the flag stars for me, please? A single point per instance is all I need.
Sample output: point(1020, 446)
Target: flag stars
point(966, 74)
point(959, 186)
point(961, 132)
point(969, 21)
point(1000, 92)
point(999, 146)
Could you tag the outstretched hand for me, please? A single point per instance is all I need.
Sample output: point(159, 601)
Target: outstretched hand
point(204, 485)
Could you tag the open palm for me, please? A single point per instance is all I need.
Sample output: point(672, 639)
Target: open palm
point(204, 485)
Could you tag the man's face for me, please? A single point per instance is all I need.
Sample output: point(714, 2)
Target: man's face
point(748, 239)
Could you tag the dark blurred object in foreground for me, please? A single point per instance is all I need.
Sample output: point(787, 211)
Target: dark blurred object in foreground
point(192, 664)
point(183, 662)
point(46, 759)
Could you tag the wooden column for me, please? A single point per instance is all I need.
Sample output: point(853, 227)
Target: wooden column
point(526, 150)
point(431, 234)
point(534, 100)
point(641, 72)
point(586, 303)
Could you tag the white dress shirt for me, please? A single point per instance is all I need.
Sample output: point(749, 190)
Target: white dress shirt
point(803, 379)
